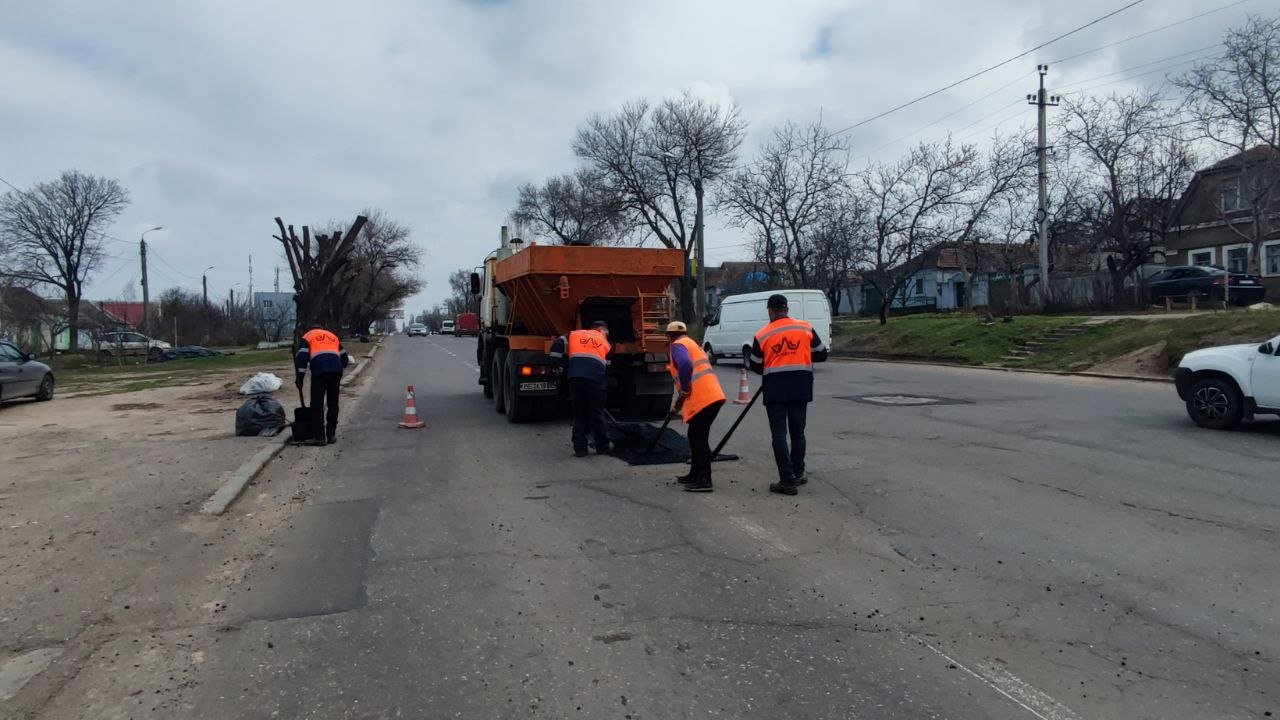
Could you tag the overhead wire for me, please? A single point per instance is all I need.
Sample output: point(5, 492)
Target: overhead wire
point(1228, 6)
point(1001, 64)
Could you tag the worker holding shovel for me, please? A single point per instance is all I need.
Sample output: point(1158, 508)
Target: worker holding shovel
point(700, 401)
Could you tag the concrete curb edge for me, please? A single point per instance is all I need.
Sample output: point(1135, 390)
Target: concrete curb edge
point(242, 476)
point(1026, 371)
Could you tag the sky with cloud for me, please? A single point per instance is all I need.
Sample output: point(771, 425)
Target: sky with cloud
point(219, 115)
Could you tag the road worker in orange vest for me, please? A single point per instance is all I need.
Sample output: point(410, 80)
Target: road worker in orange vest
point(784, 353)
point(586, 356)
point(700, 400)
point(321, 351)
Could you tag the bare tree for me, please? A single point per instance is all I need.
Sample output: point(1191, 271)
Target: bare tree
point(53, 234)
point(659, 163)
point(1006, 173)
point(784, 195)
point(911, 210)
point(841, 244)
point(574, 209)
point(1123, 166)
point(380, 275)
point(1234, 100)
point(460, 299)
point(315, 264)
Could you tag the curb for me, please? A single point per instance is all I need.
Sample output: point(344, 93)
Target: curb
point(231, 489)
point(359, 368)
point(1026, 371)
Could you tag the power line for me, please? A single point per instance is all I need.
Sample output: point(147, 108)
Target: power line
point(1019, 56)
point(1150, 32)
point(1147, 64)
point(166, 263)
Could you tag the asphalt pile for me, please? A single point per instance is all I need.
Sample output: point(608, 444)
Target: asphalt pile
point(631, 443)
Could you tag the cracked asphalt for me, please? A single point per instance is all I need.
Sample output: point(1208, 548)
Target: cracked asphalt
point(1028, 547)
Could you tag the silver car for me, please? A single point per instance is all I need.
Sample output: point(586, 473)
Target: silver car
point(21, 376)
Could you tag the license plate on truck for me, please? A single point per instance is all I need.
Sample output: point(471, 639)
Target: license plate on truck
point(537, 386)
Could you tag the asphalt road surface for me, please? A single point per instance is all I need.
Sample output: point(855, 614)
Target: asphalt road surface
point(971, 544)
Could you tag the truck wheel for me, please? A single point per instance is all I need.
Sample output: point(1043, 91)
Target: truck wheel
point(1215, 403)
point(497, 379)
point(519, 409)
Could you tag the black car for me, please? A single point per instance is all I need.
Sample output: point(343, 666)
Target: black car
point(1204, 283)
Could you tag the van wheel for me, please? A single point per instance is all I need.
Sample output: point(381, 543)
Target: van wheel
point(1215, 403)
point(746, 356)
point(711, 354)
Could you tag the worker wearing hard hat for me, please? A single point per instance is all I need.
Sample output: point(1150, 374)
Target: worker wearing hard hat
point(700, 399)
point(586, 353)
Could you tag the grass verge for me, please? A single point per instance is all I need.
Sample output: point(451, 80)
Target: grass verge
point(951, 338)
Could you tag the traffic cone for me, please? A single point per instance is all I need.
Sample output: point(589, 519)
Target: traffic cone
point(744, 390)
point(410, 412)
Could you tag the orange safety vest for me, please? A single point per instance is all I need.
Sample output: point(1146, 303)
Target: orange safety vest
point(705, 388)
point(588, 345)
point(787, 346)
point(322, 342)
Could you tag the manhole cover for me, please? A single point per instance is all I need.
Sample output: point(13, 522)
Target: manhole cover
point(901, 400)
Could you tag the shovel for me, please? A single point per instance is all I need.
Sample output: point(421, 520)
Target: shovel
point(715, 454)
point(301, 420)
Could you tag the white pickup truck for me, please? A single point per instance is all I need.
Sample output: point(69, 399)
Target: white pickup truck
point(1224, 385)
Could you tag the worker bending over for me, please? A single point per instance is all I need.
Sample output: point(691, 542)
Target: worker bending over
point(784, 353)
point(323, 353)
point(586, 354)
point(700, 399)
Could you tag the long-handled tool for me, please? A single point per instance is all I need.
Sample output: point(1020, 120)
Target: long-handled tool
point(661, 430)
point(715, 454)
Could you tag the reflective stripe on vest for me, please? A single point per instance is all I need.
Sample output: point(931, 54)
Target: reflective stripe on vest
point(787, 345)
point(588, 345)
point(322, 342)
point(704, 385)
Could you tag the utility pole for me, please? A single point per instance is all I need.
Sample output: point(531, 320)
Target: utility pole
point(1042, 100)
point(250, 276)
point(204, 284)
point(146, 291)
point(277, 278)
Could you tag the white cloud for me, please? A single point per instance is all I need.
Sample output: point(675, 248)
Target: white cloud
point(220, 115)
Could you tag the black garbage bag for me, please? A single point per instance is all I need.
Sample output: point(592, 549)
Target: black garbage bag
point(260, 415)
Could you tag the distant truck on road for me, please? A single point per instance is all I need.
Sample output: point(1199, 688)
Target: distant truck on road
point(531, 296)
point(467, 325)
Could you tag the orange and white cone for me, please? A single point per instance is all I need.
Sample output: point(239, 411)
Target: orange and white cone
point(410, 412)
point(744, 390)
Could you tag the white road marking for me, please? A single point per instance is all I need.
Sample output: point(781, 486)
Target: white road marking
point(1023, 694)
point(763, 535)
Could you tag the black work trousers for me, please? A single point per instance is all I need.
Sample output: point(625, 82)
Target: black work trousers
point(324, 403)
point(700, 441)
point(784, 419)
point(588, 413)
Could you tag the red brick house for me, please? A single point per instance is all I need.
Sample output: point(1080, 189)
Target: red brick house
point(1229, 216)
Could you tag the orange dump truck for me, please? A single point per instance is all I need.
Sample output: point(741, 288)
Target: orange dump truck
point(530, 296)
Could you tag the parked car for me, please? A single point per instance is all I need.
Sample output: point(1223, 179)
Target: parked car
point(1205, 283)
point(130, 344)
point(21, 376)
point(1223, 385)
point(416, 329)
point(732, 330)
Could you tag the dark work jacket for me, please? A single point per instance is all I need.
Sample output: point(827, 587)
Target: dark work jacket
point(787, 387)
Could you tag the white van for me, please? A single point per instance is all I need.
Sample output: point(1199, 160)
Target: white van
point(733, 329)
point(446, 327)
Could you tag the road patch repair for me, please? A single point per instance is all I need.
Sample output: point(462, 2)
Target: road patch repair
point(18, 670)
point(901, 400)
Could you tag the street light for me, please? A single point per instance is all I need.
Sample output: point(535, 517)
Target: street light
point(146, 291)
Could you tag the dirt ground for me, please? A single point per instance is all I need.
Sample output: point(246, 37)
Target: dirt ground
point(99, 521)
point(1146, 362)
